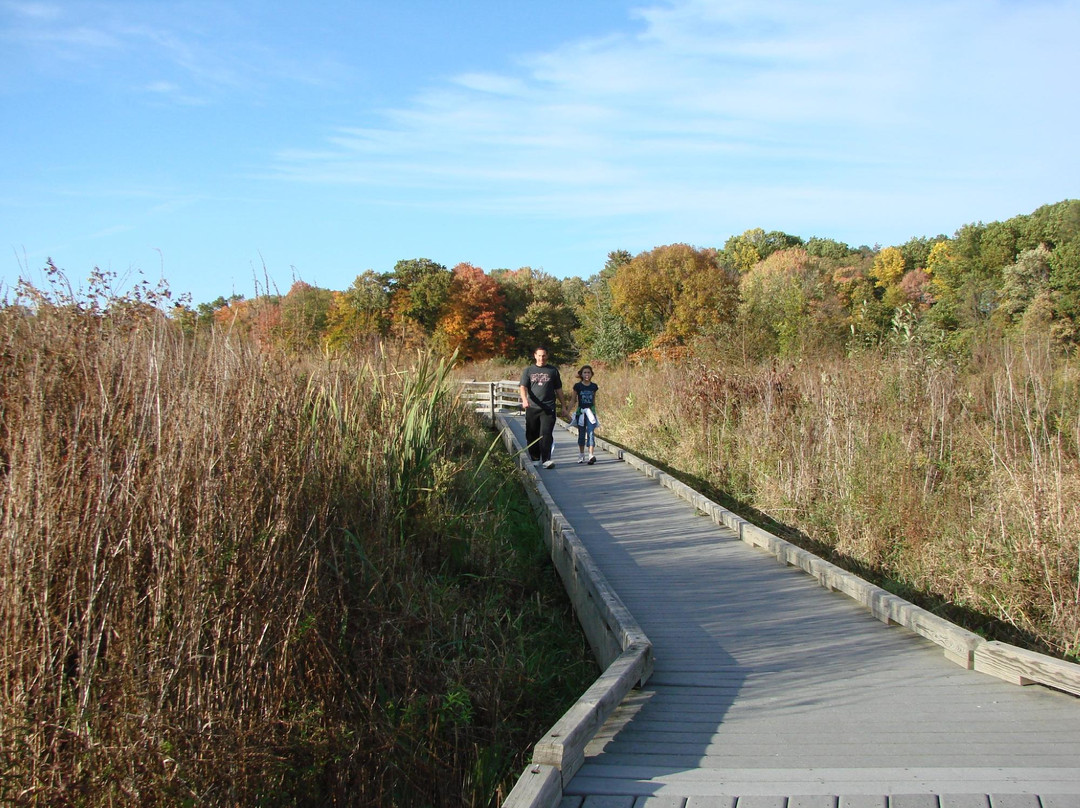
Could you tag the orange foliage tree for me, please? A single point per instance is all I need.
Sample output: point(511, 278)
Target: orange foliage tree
point(473, 323)
point(258, 319)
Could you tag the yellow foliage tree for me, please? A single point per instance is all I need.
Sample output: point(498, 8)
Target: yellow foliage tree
point(888, 267)
point(674, 292)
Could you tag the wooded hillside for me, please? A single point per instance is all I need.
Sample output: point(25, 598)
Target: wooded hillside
point(768, 293)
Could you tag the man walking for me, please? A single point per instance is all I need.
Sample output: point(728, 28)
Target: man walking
point(541, 393)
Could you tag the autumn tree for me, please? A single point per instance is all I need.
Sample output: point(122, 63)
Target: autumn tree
point(360, 313)
point(257, 319)
point(472, 323)
point(207, 311)
point(914, 290)
point(888, 268)
point(233, 314)
point(916, 251)
point(674, 293)
point(419, 289)
point(744, 251)
point(789, 306)
point(965, 292)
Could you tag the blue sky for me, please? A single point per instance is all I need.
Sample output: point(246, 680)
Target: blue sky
point(229, 143)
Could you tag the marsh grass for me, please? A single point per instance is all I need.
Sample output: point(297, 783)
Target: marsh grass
point(238, 578)
point(954, 485)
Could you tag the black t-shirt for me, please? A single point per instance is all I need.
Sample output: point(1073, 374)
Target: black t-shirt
point(541, 383)
point(586, 394)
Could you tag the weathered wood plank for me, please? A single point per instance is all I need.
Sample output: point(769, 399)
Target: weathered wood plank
point(964, 801)
point(1022, 667)
point(1059, 800)
point(913, 801)
point(771, 801)
point(538, 786)
point(563, 746)
point(818, 801)
point(660, 802)
point(863, 801)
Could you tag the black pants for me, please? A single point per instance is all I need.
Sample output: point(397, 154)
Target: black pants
point(539, 424)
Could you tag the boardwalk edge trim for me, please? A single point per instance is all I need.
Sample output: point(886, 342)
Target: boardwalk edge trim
point(617, 642)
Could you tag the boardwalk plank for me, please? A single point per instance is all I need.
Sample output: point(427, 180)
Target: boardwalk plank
point(767, 685)
point(964, 801)
point(819, 801)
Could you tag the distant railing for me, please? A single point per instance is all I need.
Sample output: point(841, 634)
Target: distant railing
point(492, 397)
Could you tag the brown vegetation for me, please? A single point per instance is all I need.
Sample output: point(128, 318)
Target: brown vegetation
point(233, 578)
point(956, 486)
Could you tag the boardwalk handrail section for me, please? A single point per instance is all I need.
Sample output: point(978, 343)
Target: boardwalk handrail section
point(491, 397)
point(616, 640)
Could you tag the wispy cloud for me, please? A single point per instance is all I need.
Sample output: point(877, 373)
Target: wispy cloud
point(34, 11)
point(201, 53)
point(712, 101)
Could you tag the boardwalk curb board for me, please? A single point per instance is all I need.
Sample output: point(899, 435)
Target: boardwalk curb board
point(616, 639)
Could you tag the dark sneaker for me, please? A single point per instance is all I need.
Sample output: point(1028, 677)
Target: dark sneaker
point(592, 460)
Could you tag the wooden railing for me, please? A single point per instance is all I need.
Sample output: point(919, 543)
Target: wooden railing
point(491, 397)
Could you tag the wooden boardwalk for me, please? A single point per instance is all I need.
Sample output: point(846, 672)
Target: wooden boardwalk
point(770, 691)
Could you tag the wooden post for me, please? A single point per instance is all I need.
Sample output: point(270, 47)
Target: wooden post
point(491, 400)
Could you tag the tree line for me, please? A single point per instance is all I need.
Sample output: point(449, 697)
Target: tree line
point(764, 294)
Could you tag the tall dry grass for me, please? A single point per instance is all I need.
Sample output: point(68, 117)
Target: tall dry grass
point(235, 578)
point(955, 485)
